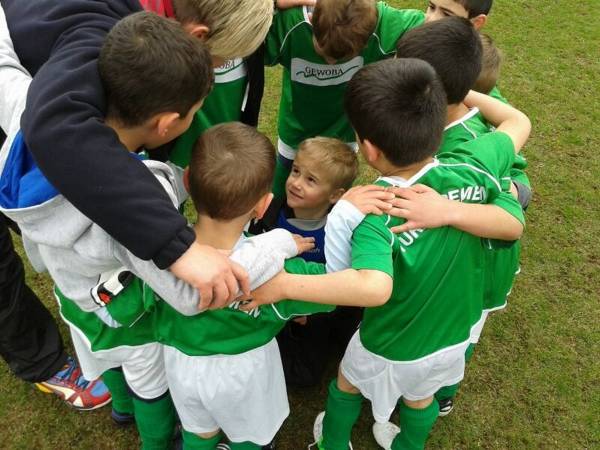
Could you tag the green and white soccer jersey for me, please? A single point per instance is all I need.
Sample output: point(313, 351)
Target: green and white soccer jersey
point(223, 104)
point(231, 331)
point(135, 301)
point(502, 258)
point(312, 90)
point(438, 273)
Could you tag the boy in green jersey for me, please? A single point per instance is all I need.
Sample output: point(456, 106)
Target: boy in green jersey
point(223, 367)
point(320, 53)
point(452, 47)
point(423, 288)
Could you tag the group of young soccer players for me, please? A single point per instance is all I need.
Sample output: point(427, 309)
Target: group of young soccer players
point(414, 262)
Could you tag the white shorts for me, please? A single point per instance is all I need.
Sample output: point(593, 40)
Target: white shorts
point(243, 395)
point(384, 382)
point(143, 365)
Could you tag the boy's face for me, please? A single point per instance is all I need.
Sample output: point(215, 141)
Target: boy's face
point(307, 187)
point(438, 9)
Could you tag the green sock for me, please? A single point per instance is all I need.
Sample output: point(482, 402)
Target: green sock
point(447, 392)
point(469, 352)
point(450, 391)
point(155, 421)
point(415, 425)
point(281, 175)
point(341, 413)
point(121, 399)
point(244, 446)
point(192, 441)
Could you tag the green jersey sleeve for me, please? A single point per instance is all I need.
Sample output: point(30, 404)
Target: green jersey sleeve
point(288, 309)
point(508, 203)
point(283, 24)
point(495, 93)
point(494, 151)
point(372, 244)
point(393, 23)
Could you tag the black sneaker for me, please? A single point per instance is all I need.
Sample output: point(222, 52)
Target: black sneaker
point(270, 446)
point(446, 406)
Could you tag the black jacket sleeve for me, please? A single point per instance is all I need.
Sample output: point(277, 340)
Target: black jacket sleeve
point(256, 87)
point(63, 127)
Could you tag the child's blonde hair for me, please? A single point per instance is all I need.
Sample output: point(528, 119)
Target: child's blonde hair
point(343, 27)
point(491, 62)
point(236, 27)
point(334, 157)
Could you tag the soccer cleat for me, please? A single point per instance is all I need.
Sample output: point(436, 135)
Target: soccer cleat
point(446, 406)
point(318, 432)
point(122, 419)
point(385, 433)
point(76, 391)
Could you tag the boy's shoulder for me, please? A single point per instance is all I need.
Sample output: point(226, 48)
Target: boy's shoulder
point(471, 126)
point(288, 19)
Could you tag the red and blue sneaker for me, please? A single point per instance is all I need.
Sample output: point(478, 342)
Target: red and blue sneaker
point(76, 391)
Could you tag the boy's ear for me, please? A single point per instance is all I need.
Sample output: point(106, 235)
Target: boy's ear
point(197, 30)
point(186, 179)
point(479, 21)
point(165, 122)
point(263, 205)
point(370, 151)
point(336, 195)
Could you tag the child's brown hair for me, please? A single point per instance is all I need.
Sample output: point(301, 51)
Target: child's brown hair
point(491, 62)
point(232, 166)
point(342, 27)
point(334, 157)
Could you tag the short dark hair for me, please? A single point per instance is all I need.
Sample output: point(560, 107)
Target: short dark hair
point(453, 47)
point(476, 7)
point(232, 166)
point(398, 105)
point(149, 65)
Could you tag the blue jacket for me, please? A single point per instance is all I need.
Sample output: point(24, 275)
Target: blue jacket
point(58, 41)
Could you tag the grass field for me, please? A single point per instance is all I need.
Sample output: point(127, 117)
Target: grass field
point(534, 380)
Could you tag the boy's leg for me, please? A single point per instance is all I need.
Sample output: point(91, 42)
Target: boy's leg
point(416, 421)
point(122, 402)
point(30, 342)
point(343, 408)
point(155, 419)
point(448, 392)
point(205, 441)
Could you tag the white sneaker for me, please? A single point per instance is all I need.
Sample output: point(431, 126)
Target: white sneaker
point(318, 431)
point(385, 433)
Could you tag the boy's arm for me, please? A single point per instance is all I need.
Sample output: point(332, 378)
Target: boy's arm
point(502, 116)
point(369, 283)
point(345, 216)
point(423, 207)
point(262, 258)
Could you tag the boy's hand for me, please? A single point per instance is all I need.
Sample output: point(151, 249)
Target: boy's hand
point(270, 292)
point(421, 206)
point(285, 4)
point(303, 244)
point(213, 274)
point(370, 199)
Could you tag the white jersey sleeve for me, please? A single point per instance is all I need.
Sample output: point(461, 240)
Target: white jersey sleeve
point(341, 222)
